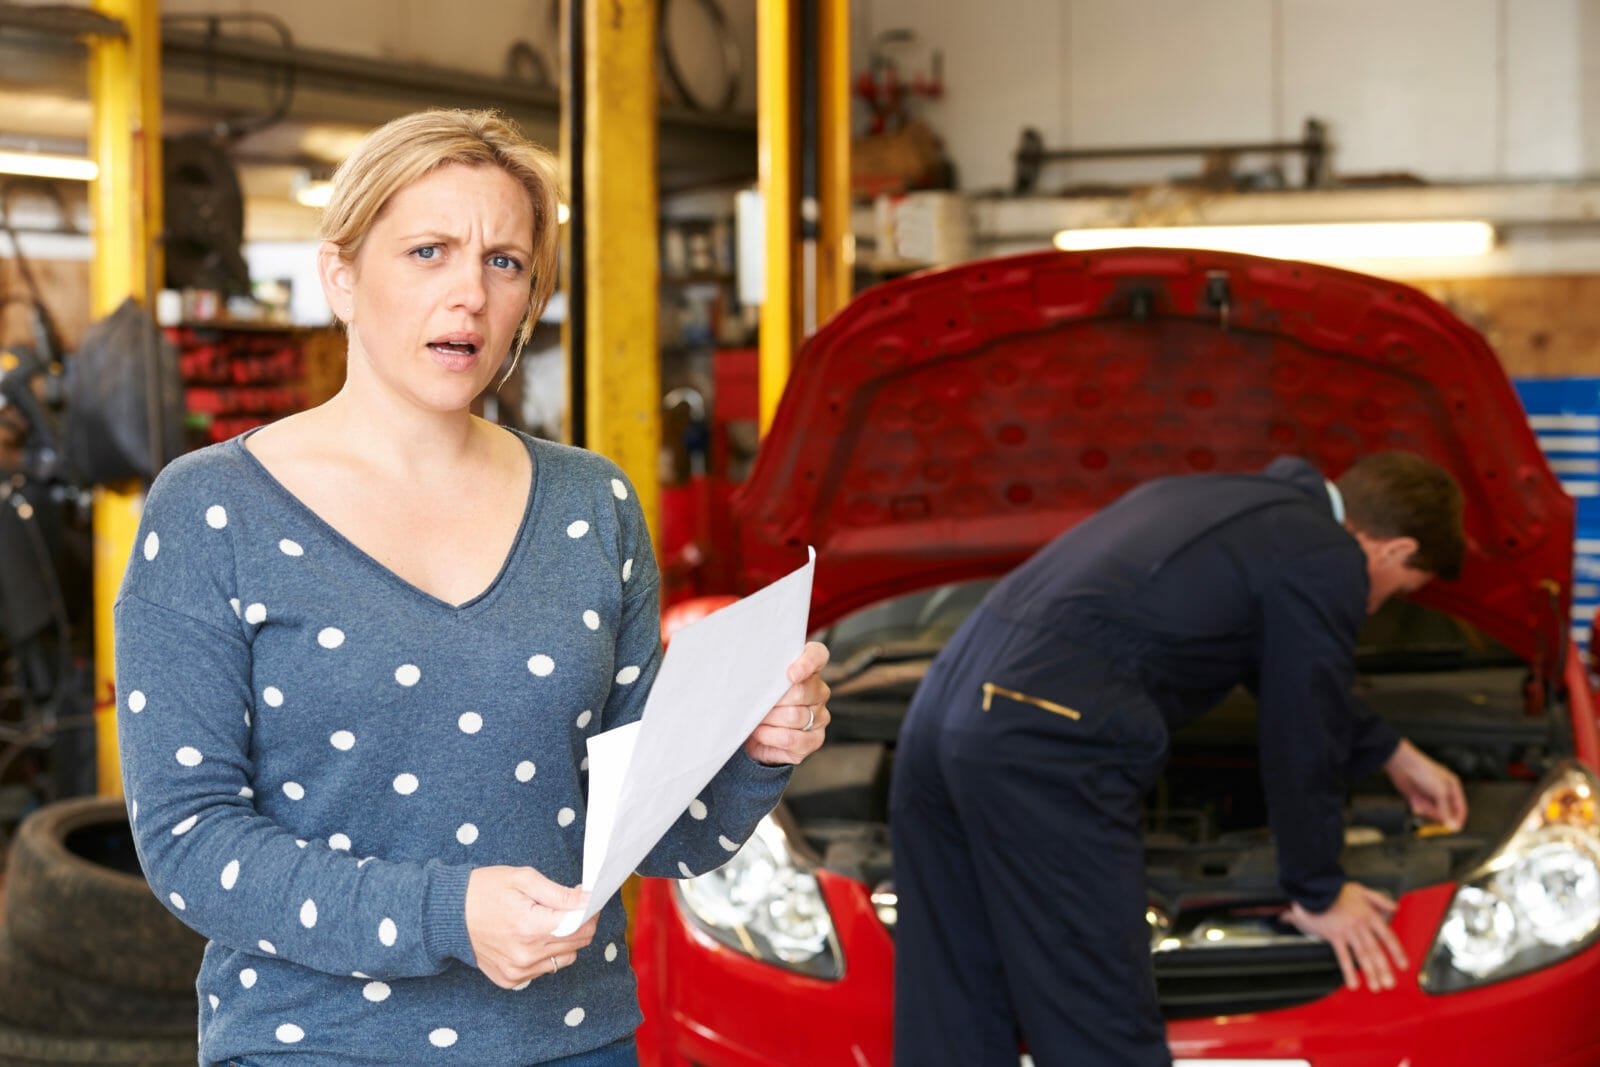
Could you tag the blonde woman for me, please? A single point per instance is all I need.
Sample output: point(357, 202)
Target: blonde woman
point(359, 651)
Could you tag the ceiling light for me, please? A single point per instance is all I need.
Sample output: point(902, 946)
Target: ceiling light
point(312, 192)
point(48, 165)
point(1320, 241)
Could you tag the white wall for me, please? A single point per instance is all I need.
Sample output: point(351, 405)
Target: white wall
point(1445, 89)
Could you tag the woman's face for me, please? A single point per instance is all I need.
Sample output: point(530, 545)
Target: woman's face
point(439, 287)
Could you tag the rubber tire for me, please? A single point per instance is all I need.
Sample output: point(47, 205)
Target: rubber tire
point(25, 1048)
point(50, 1001)
point(74, 900)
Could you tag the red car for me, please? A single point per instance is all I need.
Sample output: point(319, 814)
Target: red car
point(946, 425)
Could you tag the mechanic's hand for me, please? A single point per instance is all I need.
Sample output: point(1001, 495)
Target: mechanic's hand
point(795, 726)
point(1433, 791)
point(511, 912)
point(1357, 926)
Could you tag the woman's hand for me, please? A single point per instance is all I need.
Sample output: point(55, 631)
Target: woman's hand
point(795, 726)
point(511, 912)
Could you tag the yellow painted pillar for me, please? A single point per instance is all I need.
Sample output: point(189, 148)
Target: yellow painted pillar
point(125, 200)
point(836, 252)
point(776, 172)
point(622, 401)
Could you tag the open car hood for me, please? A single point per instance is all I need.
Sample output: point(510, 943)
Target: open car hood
point(947, 424)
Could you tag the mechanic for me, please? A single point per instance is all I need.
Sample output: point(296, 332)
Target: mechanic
point(1027, 750)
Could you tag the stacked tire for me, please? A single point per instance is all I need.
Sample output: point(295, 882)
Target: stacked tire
point(93, 970)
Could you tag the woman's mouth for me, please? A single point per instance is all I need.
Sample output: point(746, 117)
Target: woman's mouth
point(454, 354)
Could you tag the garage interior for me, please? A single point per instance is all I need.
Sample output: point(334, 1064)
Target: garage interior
point(738, 173)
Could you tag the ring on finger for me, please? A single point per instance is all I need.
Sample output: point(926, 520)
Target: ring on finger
point(554, 966)
point(811, 718)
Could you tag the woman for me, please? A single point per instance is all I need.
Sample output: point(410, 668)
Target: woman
point(359, 652)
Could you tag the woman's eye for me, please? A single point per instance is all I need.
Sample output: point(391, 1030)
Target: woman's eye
point(426, 252)
point(504, 262)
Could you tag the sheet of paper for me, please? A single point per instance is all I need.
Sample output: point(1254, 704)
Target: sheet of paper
point(719, 678)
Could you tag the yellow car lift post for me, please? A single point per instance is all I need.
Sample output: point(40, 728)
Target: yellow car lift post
point(125, 201)
point(803, 145)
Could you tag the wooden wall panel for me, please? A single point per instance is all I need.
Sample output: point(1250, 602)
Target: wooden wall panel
point(1539, 325)
point(65, 288)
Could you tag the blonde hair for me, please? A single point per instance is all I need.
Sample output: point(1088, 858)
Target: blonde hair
point(408, 148)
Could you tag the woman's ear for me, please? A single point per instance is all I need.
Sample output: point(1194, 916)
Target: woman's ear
point(338, 280)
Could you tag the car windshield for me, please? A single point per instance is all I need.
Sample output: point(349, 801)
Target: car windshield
point(1402, 636)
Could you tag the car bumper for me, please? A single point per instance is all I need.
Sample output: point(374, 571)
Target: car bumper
point(708, 1005)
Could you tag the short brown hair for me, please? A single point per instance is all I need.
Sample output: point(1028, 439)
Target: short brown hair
point(408, 148)
point(1400, 494)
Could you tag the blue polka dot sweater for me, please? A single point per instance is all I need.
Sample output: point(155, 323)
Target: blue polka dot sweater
point(316, 754)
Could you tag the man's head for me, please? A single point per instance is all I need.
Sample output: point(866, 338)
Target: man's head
point(1406, 513)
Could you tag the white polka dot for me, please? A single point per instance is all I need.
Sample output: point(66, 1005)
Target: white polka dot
point(300, 842)
point(727, 845)
point(189, 756)
point(611, 952)
point(214, 1001)
point(247, 793)
point(255, 614)
point(233, 602)
point(136, 701)
point(273, 696)
point(697, 808)
point(627, 569)
point(618, 489)
point(134, 815)
point(339, 843)
point(525, 770)
point(247, 718)
point(177, 901)
point(290, 548)
point(230, 874)
point(247, 978)
point(308, 914)
point(330, 637)
point(565, 816)
point(627, 675)
point(524, 984)
point(683, 869)
point(466, 833)
point(591, 619)
point(443, 1037)
point(470, 722)
point(152, 545)
point(405, 784)
point(575, 531)
point(584, 718)
point(388, 933)
point(541, 665)
point(216, 516)
point(408, 674)
point(294, 790)
point(583, 765)
point(377, 992)
point(267, 946)
point(343, 740)
point(185, 826)
point(574, 1017)
point(289, 1033)
point(363, 977)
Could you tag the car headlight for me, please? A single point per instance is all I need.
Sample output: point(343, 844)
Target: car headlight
point(1532, 903)
point(765, 903)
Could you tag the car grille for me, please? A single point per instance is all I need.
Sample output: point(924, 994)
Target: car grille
point(1228, 981)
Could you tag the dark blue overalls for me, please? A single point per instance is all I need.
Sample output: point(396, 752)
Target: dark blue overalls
point(1026, 753)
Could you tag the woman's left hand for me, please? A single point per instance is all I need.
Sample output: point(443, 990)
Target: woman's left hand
point(795, 726)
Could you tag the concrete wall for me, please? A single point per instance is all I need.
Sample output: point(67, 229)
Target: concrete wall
point(1445, 89)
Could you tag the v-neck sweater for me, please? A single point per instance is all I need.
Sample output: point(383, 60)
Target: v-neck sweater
point(316, 754)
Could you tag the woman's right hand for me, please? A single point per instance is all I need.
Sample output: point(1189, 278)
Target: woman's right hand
point(511, 912)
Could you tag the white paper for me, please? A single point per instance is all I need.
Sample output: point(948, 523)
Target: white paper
point(719, 678)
